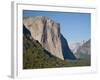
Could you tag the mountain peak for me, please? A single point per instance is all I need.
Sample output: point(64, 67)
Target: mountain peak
point(84, 51)
point(47, 32)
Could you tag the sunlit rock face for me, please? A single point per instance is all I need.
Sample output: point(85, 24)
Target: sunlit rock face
point(47, 32)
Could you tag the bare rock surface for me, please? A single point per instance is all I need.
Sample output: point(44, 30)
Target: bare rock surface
point(84, 51)
point(47, 32)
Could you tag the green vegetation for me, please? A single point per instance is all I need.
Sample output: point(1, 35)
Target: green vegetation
point(80, 62)
point(35, 56)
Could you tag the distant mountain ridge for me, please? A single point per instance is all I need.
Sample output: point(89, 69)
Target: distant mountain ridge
point(47, 32)
point(84, 51)
point(74, 46)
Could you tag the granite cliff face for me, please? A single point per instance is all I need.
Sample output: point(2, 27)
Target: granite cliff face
point(47, 32)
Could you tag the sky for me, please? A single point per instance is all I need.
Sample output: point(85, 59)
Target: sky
point(75, 27)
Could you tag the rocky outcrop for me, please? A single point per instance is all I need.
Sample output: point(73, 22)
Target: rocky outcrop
point(47, 32)
point(84, 51)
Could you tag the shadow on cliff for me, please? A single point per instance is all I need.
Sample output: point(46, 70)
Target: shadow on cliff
point(26, 32)
point(66, 50)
